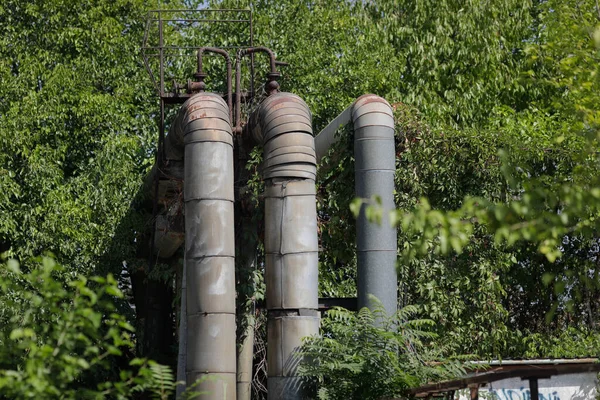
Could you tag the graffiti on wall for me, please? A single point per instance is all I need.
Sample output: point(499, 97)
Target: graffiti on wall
point(580, 386)
point(522, 393)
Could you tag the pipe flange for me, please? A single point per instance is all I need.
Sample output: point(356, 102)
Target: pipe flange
point(272, 85)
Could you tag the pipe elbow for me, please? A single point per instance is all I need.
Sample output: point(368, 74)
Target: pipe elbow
point(371, 110)
point(283, 124)
point(203, 117)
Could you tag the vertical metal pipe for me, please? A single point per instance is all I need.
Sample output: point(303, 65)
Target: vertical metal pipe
point(283, 124)
point(181, 355)
point(375, 166)
point(161, 54)
point(238, 92)
point(203, 123)
point(246, 262)
point(244, 364)
point(271, 86)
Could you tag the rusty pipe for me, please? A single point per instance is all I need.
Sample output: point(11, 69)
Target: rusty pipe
point(203, 130)
point(261, 49)
point(272, 85)
point(238, 93)
point(200, 72)
point(283, 124)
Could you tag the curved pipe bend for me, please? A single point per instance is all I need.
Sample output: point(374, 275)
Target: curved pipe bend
point(375, 166)
point(273, 75)
point(227, 58)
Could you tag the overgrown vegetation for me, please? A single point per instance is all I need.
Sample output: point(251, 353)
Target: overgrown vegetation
point(66, 340)
point(368, 355)
point(498, 194)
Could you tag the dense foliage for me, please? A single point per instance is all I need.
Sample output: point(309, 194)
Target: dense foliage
point(550, 198)
point(368, 355)
point(67, 341)
point(496, 106)
point(76, 126)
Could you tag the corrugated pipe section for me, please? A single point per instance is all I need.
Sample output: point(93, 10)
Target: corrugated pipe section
point(283, 124)
point(203, 127)
point(375, 166)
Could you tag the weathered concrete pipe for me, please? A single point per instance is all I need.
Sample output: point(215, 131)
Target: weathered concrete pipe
point(203, 128)
point(283, 124)
point(375, 166)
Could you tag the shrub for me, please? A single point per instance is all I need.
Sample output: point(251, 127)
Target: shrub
point(366, 355)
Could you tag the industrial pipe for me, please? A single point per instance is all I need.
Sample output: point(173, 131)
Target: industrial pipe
point(181, 351)
point(246, 260)
point(271, 87)
point(375, 166)
point(203, 127)
point(283, 125)
point(201, 75)
point(245, 357)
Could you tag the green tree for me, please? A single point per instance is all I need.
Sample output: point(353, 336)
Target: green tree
point(66, 340)
point(552, 194)
point(76, 126)
point(77, 137)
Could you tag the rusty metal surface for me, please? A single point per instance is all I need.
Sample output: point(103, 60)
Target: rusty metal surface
point(203, 126)
point(289, 158)
point(289, 108)
point(165, 49)
point(283, 125)
point(215, 112)
point(372, 119)
point(297, 113)
point(278, 151)
point(165, 44)
point(200, 73)
point(210, 135)
point(290, 139)
point(201, 123)
point(271, 86)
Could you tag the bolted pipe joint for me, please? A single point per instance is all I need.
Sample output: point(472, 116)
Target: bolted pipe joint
point(375, 166)
point(283, 124)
